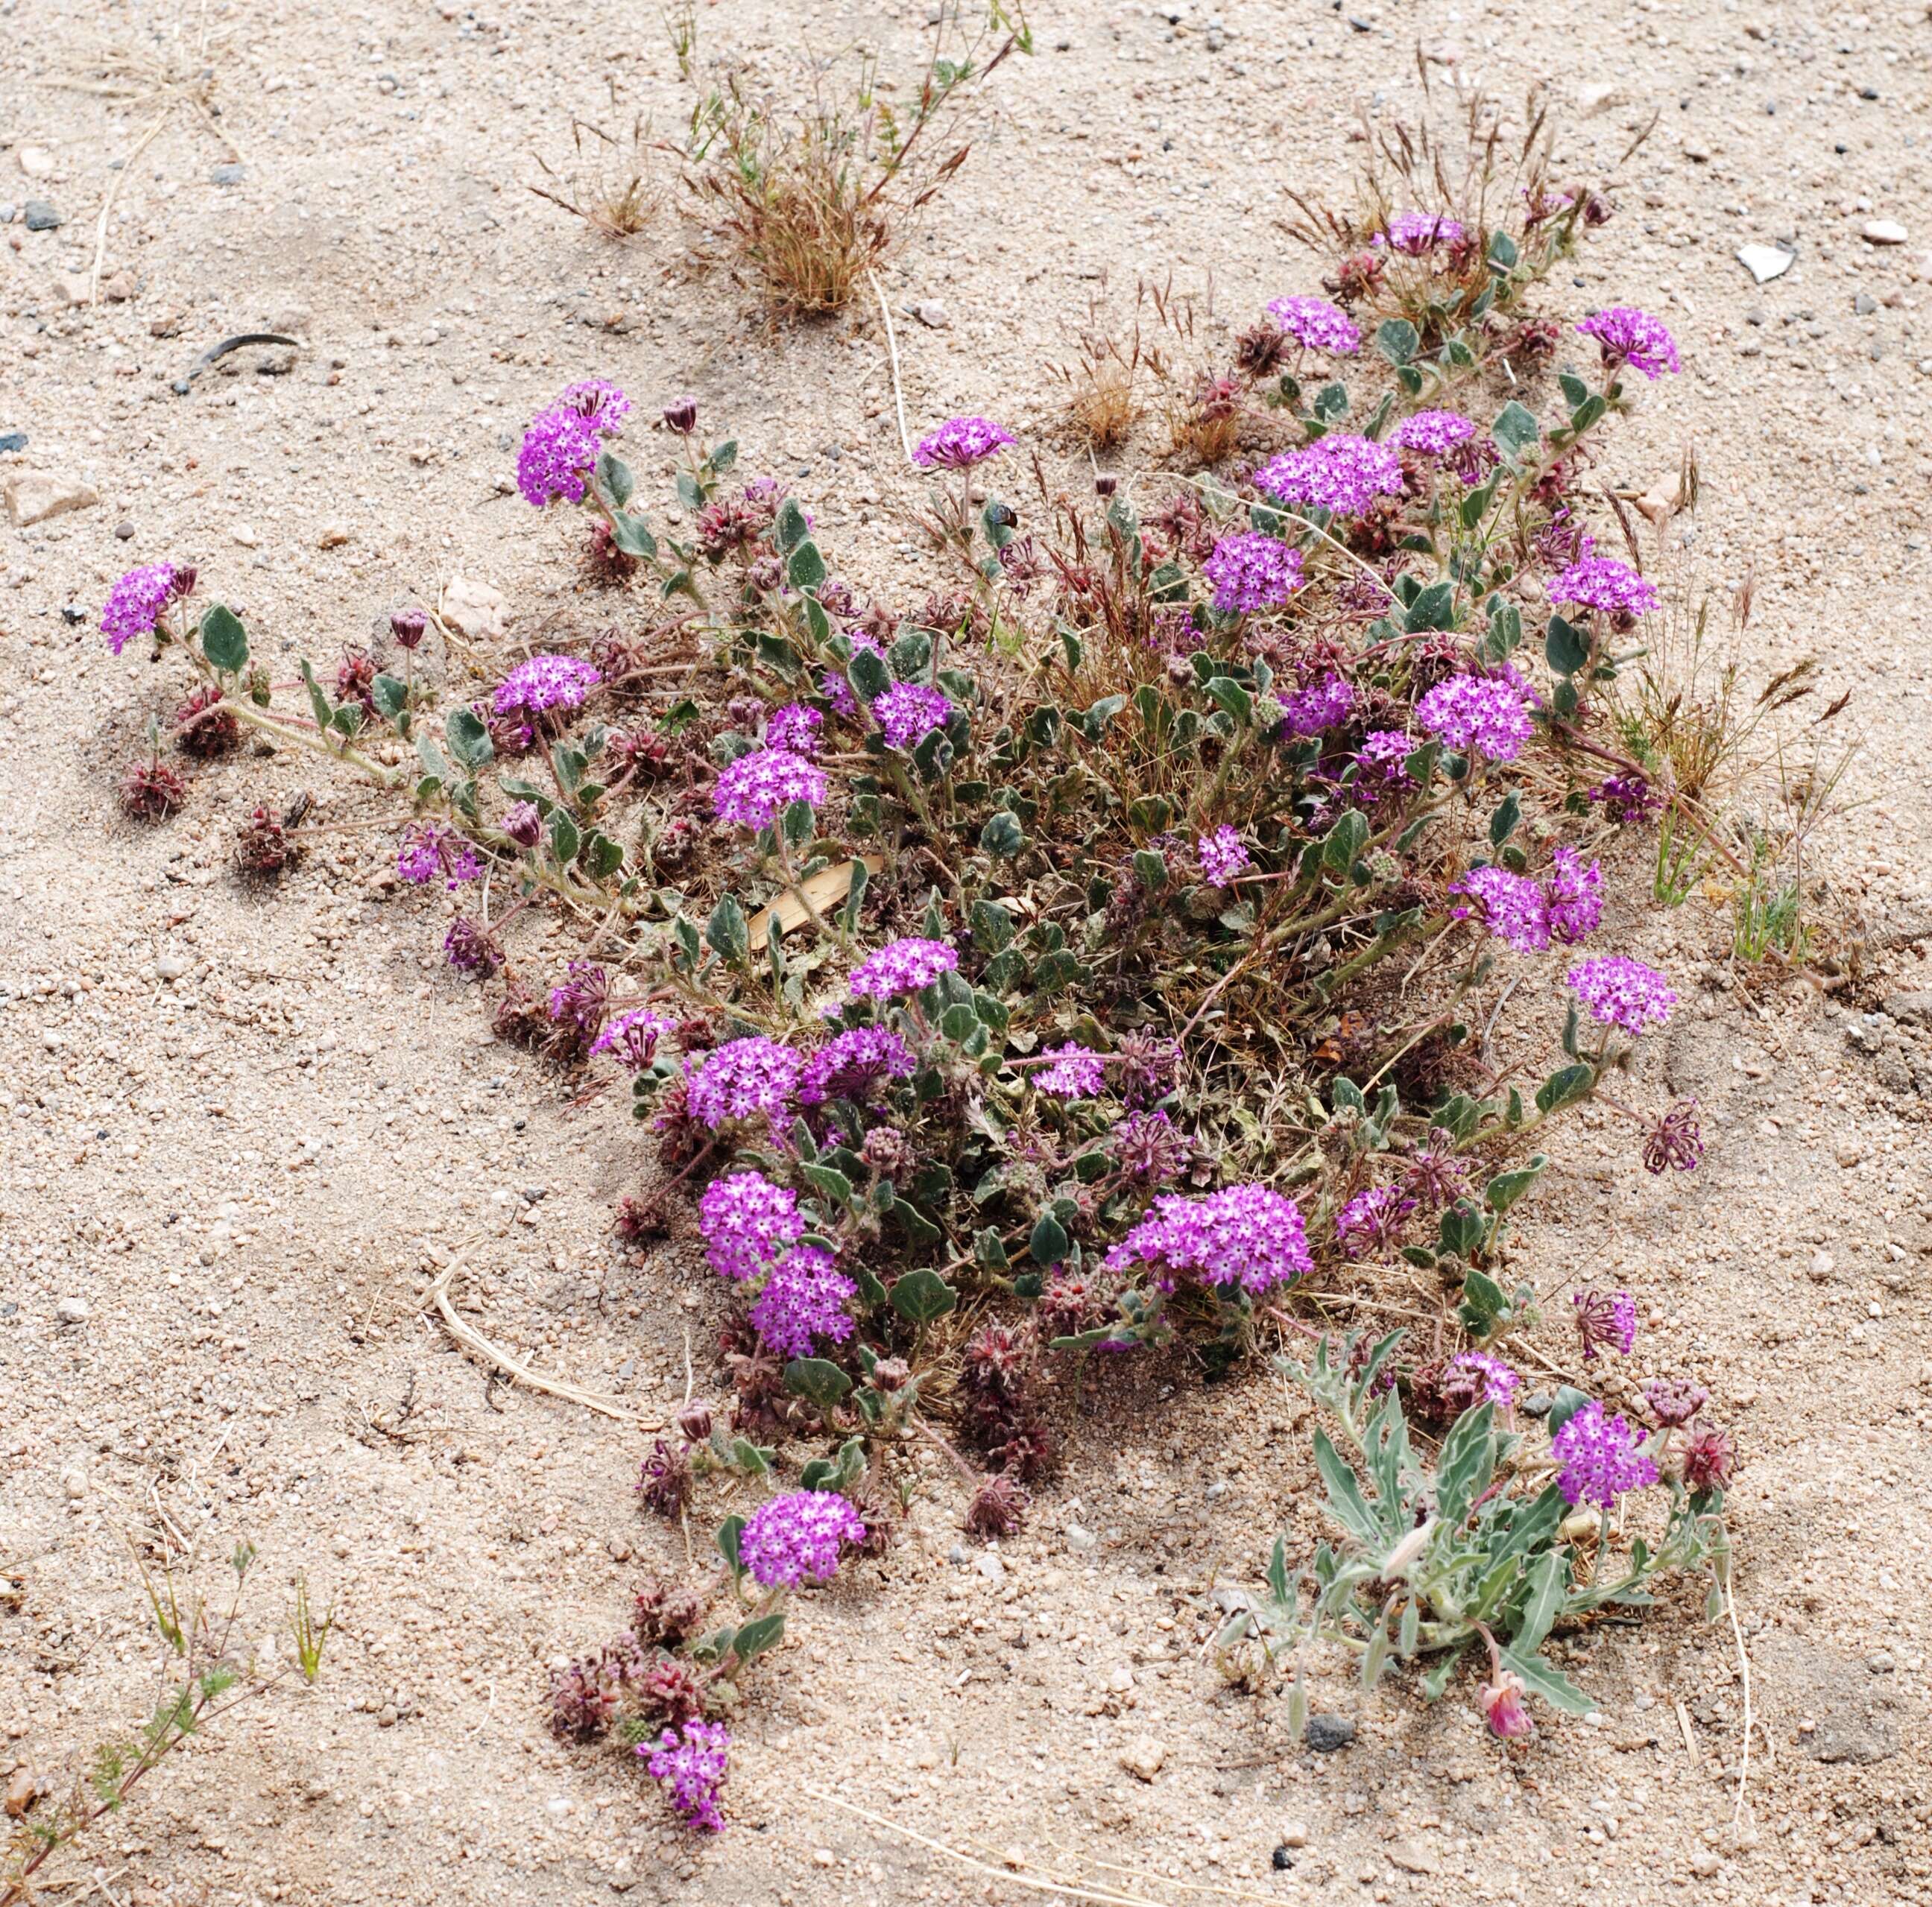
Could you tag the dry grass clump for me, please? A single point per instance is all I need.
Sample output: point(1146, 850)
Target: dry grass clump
point(610, 187)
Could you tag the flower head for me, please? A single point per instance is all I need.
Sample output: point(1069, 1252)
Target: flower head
point(1574, 894)
point(1603, 584)
point(1250, 571)
point(583, 998)
point(1628, 336)
point(908, 712)
point(754, 790)
point(1627, 798)
point(851, 1063)
point(430, 849)
point(1316, 324)
point(1148, 1149)
point(1479, 712)
point(1432, 433)
point(1499, 1381)
point(1369, 1218)
point(804, 1299)
point(562, 444)
point(632, 1037)
point(135, 603)
point(1383, 758)
point(1709, 1458)
point(1601, 1457)
point(960, 442)
point(902, 966)
point(523, 822)
point(1621, 992)
point(1501, 1697)
point(1249, 1235)
point(838, 691)
point(545, 682)
point(1339, 473)
point(796, 1537)
point(469, 950)
point(741, 1078)
point(1076, 1072)
point(1323, 704)
point(1676, 1142)
point(692, 1763)
point(1514, 907)
point(748, 1223)
point(1674, 1401)
point(1415, 233)
point(1223, 856)
point(794, 728)
point(1605, 1318)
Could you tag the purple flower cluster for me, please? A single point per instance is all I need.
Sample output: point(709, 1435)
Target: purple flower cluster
point(1479, 712)
point(1250, 571)
point(1223, 856)
point(1628, 336)
point(1606, 1319)
point(1627, 798)
point(747, 1224)
point(1077, 1073)
point(1317, 707)
point(850, 1064)
point(838, 691)
point(1415, 233)
point(692, 1763)
point(794, 729)
point(1383, 758)
point(431, 848)
point(561, 446)
point(1369, 1219)
point(741, 1079)
point(1248, 1235)
point(583, 998)
point(1622, 992)
point(633, 1037)
point(804, 1298)
point(1339, 473)
point(1432, 433)
point(1603, 584)
point(545, 681)
point(1316, 324)
point(909, 712)
point(754, 790)
point(901, 967)
point(1148, 1149)
point(1568, 906)
point(1499, 1381)
point(135, 603)
point(796, 1537)
point(1601, 1458)
point(960, 442)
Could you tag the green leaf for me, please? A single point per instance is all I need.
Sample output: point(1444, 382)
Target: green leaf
point(564, 837)
point(1433, 608)
point(1463, 1468)
point(761, 1634)
point(790, 528)
point(1564, 1087)
point(1459, 1229)
point(821, 1384)
point(1002, 837)
point(827, 1181)
point(1539, 1678)
point(630, 535)
point(1569, 1400)
point(1397, 339)
point(1331, 402)
point(1345, 841)
point(1516, 430)
point(469, 739)
point(1346, 1500)
point(391, 698)
point(1483, 1302)
point(1503, 253)
point(1436, 1677)
point(728, 932)
point(989, 1249)
point(866, 671)
point(1047, 1243)
point(729, 1531)
point(1228, 694)
point(1503, 821)
point(1547, 1581)
point(1506, 1188)
point(921, 1297)
point(614, 479)
point(600, 856)
point(806, 570)
point(224, 640)
point(855, 896)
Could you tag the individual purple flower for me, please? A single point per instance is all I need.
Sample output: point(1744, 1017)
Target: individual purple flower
point(1320, 706)
point(1432, 433)
point(1606, 1319)
point(838, 691)
point(1413, 234)
point(1514, 908)
point(135, 603)
point(1339, 473)
point(747, 1224)
point(1626, 336)
point(754, 790)
point(1316, 324)
point(959, 443)
point(901, 967)
point(631, 1039)
point(692, 1764)
point(1674, 1401)
point(851, 1063)
point(1223, 855)
point(1621, 992)
point(741, 1079)
point(1574, 897)
point(794, 728)
point(1248, 1235)
point(1148, 1150)
point(1601, 1457)
point(1077, 1073)
point(909, 712)
point(797, 1537)
point(1602, 583)
point(1369, 1219)
point(545, 682)
point(1250, 571)
point(1499, 1381)
point(1501, 1697)
point(1676, 1142)
point(804, 1299)
point(1477, 712)
point(1383, 759)
point(430, 849)
point(1627, 798)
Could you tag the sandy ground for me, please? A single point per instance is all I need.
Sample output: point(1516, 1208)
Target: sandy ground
point(236, 1128)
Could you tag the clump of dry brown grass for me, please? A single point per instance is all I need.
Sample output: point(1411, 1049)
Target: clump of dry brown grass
point(610, 187)
point(812, 195)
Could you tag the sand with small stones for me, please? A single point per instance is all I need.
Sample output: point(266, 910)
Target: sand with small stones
point(240, 1128)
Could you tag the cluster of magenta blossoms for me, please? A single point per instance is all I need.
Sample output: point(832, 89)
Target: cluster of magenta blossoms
point(902, 966)
point(1432, 433)
point(544, 683)
point(1599, 1458)
point(430, 849)
point(754, 791)
point(1621, 992)
point(1567, 905)
point(1251, 571)
point(1482, 713)
point(1316, 324)
point(1248, 1235)
point(1498, 1381)
point(1072, 1071)
point(1602, 584)
point(798, 1537)
point(1626, 336)
point(631, 1037)
point(744, 1079)
point(1606, 1320)
point(561, 448)
point(747, 1224)
point(691, 1764)
point(1339, 473)
point(134, 604)
point(961, 442)
point(1415, 234)
point(1223, 856)
point(1317, 706)
point(1368, 1220)
point(851, 1064)
point(908, 712)
point(803, 1299)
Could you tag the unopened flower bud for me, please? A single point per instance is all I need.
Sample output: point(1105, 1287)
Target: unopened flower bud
point(523, 824)
point(682, 416)
point(407, 626)
point(694, 1421)
point(1105, 486)
point(182, 583)
point(1502, 1705)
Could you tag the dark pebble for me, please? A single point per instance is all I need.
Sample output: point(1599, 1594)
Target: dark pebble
point(41, 216)
point(72, 616)
point(13, 440)
point(1327, 1734)
point(228, 175)
point(125, 531)
point(1537, 1404)
point(1283, 1860)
